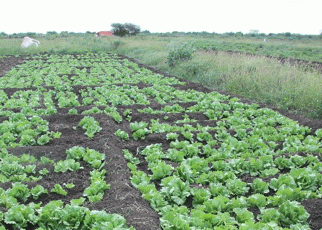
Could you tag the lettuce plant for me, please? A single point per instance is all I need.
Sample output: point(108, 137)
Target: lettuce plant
point(94, 158)
point(19, 191)
point(76, 152)
point(175, 190)
point(44, 139)
point(96, 190)
point(37, 191)
point(282, 182)
point(67, 165)
point(172, 136)
point(237, 187)
point(160, 170)
point(259, 186)
point(257, 200)
point(122, 135)
point(44, 171)
point(140, 134)
point(90, 125)
point(243, 215)
point(292, 212)
point(129, 156)
point(200, 196)
point(21, 215)
point(59, 190)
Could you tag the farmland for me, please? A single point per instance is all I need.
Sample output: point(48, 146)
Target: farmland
point(99, 141)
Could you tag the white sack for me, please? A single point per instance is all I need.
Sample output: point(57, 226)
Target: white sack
point(27, 41)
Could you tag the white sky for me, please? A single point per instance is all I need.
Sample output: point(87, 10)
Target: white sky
point(220, 16)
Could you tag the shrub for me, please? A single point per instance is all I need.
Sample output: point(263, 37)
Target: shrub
point(180, 52)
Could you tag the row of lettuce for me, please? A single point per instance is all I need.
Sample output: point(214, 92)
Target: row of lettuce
point(197, 181)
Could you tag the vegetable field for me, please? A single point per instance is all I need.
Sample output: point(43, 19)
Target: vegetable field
point(97, 141)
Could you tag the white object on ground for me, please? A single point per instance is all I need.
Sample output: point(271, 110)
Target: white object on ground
point(27, 41)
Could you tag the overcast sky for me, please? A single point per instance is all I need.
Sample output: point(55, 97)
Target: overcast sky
point(220, 16)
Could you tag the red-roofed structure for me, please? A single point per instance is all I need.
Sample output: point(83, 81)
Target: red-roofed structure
point(104, 33)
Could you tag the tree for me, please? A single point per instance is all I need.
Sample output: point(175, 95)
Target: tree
point(146, 32)
point(132, 29)
point(252, 31)
point(121, 30)
point(51, 33)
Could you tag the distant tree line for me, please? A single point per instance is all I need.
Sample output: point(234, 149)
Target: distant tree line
point(41, 35)
point(281, 36)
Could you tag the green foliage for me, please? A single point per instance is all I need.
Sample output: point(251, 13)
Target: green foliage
point(200, 196)
point(55, 216)
point(76, 152)
point(67, 165)
point(175, 190)
point(129, 156)
point(259, 186)
point(72, 111)
point(140, 134)
point(180, 52)
point(138, 125)
point(96, 190)
point(94, 158)
point(292, 213)
point(122, 135)
point(116, 116)
point(20, 215)
point(243, 215)
point(257, 200)
point(37, 191)
point(19, 191)
point(90, 125)
point(172, 136)
point(46, 160)
point(283, 181)
point(44, 139)
point(59, 190)
point(237, 187)
point(160, 170)
point(121, 30)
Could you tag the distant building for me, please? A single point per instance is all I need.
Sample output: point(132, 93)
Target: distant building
point(104, 33)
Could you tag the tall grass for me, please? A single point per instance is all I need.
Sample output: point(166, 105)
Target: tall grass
point(286, 86)
point(52, 44)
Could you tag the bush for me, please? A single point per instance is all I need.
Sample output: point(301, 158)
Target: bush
point(116, 44)
point(181, 52)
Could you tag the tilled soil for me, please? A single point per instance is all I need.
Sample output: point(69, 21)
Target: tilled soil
point(122, 197)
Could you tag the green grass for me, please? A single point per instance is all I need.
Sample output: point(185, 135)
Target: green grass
point(77, 44)
point(289, 87)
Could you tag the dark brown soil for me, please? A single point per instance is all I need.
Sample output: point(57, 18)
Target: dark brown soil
point(122, 197)
point(7, 63)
